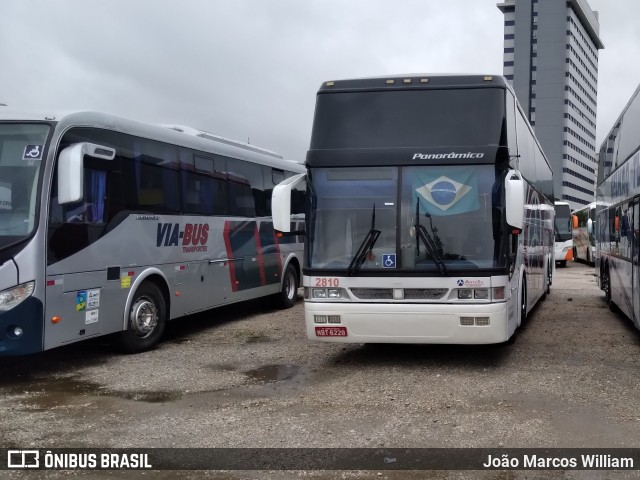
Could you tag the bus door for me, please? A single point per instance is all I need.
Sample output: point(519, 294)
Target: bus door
point(635, 293)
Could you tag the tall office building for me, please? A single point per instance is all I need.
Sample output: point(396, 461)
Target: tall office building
point(551, 59)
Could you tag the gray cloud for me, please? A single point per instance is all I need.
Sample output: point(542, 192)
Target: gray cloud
point(249, 69)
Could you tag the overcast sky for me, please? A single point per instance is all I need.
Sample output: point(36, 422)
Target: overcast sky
point(250, 69)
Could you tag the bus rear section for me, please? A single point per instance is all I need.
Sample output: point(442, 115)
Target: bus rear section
point(563, 234)
point(410, 236)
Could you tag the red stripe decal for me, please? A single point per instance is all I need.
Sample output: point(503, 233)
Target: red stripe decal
point(263, 276)
point(232, 264)
point(277, 245)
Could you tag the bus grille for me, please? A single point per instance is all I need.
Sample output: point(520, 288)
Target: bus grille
point(373, 293)
point(409, 293)
point(424, 293)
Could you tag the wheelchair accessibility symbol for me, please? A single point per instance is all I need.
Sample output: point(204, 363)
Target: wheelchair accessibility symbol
point(32, 152)
point(389, 260)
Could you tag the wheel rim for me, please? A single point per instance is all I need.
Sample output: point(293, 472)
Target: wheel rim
point(143, 317)
point(290, 285)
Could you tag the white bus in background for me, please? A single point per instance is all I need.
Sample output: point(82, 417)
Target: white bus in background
point(110, 226)
point(430, 219)
point(584, 243)
point(563, 234)
point(617, 227)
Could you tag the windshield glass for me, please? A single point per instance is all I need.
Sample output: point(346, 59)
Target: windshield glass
point(449, 218)
point(563, 227)
point(21, 154)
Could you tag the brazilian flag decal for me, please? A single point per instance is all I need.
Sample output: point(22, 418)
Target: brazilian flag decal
point(445, 191)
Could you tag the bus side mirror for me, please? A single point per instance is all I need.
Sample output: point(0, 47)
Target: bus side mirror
point(574, 219)
point(589, 226)
point(514, 198)
point(71, 169)
point(281, 202)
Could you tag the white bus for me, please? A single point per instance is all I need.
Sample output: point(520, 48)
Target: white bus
point(430, 219)
point(110, 226)
point(563, 234)
point(584, 243)
point(617, 226)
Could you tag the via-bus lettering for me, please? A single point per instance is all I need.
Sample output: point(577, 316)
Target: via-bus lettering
point(169, 234)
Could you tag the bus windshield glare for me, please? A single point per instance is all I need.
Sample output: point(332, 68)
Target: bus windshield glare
point(419, 118)
point(21, 155)
point(445, 221)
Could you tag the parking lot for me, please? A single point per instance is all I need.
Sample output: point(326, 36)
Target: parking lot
point(244, 376)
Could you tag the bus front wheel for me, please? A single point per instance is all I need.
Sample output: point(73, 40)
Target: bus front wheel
point(289, 292)
point(146, 319)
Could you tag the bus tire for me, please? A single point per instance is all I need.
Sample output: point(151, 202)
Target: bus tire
point(289, 292)
point(523, 301)
point(146, 320)
point(607, 289)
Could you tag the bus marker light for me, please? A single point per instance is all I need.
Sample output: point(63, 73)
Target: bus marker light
point(330, 84)
point(178, 294)
point(321, 319)
point(398, 294)
point(488, 78)
point(424, 80)
point(334, 319)
point(482, 321)
point(17, 332)
point(390, 82)
point(466, 321)
point(56, 319)
point(406, 80)
point(516, 231)
point(498, 293)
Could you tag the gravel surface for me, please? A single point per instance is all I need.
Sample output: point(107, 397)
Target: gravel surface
point(246, 376)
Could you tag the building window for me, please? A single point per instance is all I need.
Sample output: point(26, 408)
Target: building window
point(508, 50)
point(509, 23)
point(508, 63)
point(509, 36)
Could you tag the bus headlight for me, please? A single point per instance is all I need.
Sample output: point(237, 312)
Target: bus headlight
point(14, 296)
point(327, 293)
point(319, 293)
point(465, 294)
point(482, 294)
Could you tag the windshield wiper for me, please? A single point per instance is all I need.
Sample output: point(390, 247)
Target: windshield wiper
point(366, 246)
point(434, 247)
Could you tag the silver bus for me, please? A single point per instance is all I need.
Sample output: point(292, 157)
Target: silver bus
point(111, 226)
point(617, 216)
point(430, 213)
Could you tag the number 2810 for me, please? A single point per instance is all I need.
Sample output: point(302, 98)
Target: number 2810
point(327, 282)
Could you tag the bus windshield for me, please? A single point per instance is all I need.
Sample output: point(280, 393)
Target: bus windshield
point(449, 218)
point(21, 155)
point(563, 228)
point(409, 118)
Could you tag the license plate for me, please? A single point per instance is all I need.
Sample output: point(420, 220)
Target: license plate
point(331, 331)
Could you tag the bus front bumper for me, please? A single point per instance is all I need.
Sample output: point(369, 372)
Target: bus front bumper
point(407, 323)
point(21, 328)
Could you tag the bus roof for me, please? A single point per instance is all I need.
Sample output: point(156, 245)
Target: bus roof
point(177, 135)
point(415, 81)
